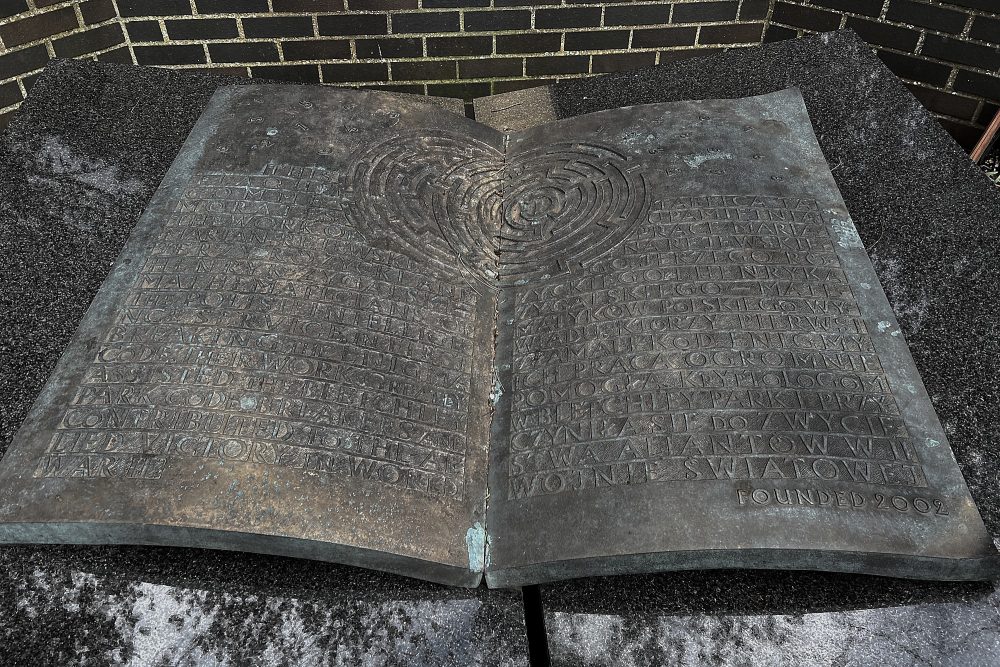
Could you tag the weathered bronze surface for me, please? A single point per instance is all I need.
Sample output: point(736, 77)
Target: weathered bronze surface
point(712, 377)
point(260, 371)
point(661, 317)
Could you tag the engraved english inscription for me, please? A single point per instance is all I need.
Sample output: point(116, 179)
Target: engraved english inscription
point(721, 341)
point(263, 329)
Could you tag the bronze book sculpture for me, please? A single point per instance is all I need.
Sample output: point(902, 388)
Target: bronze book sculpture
point(355, 327)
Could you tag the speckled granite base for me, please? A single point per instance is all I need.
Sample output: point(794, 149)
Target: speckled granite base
point(930, 221)
point(929, 218)
point(77, 167)
point(771, 619)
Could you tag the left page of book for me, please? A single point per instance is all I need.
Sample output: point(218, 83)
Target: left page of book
point(292, 354)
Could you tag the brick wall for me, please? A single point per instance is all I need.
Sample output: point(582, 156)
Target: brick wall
point(948, 51)
point(32, 34)
point(470, 48)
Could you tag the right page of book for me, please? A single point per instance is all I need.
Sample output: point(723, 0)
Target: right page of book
point(697, 366)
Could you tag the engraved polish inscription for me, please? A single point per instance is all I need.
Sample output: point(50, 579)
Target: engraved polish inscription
point(721, 341)
point(264, 329)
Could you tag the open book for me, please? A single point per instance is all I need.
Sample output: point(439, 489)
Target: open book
point(352, 326)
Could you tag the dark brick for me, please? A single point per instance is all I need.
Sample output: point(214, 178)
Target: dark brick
point(119, 56)
point(425, 22)
point(696, 12)
point(454, 4)
point(278, 26)
point(637, 15)
point(966, 135)
point(459, 46)
point(389, 47)
point(241, 71)
point(38, 27)
point(89, 41)
point(597, 40)
point(23, 61)
point(29, 81)
point(358, 24)
point(202, 29)
point(948, 104)
point(307, 6)
point(685, 54)
point(41, 4)
point(155, 7)
point(343, 72)
point(865, 7)
point(752, 10)
point(231, 6)
point(5, 119)
point(169, 54)
point(383, 5)
point(985, 5)
point(144, 31)
point(424, 70)
point(778, 33)
point(489, 68)
point(987, 113)
point(908, 67)
point(739, 33)
point(465, 91)
point(883, 34)
point(571, 17)
point(927, 16)
point(502, 20)
point(978, 84)
point(318, 49)
point(642, 39)
point(10, 94)
point(986, 29)
point(297, 73)
point(557, 65)
point(616, 62)
point(805, 17)
point(525, 3)
point(528, 43)
point(243, 52)
point(11, 7)
point(518, 84)
point(96, 11)
point(958, 51)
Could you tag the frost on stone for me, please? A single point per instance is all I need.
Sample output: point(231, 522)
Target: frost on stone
point(931, 634)
point(140, 624)
point(70, 184)
point(910, 302)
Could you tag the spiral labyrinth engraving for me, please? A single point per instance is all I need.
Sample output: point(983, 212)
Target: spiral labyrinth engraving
point(454, 201)
point(565, 205)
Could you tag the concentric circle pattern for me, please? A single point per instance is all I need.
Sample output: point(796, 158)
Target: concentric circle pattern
point(565, 205)
point(453, 201)
point(436, 197)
